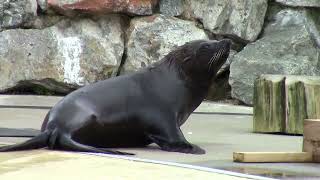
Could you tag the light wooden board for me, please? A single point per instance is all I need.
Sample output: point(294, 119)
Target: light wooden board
point(272, 157)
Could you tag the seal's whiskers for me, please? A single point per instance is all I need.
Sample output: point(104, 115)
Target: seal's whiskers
point(214, 57)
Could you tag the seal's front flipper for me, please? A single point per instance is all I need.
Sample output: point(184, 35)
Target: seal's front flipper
point(67, 143)
point(176, 144)
point(184, 148)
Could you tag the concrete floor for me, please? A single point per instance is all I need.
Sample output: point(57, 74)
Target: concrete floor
point(219, 134)
point(53, 165)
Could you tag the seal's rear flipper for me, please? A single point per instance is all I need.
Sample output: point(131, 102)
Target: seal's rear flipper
point(40, 141)
point(68, 144)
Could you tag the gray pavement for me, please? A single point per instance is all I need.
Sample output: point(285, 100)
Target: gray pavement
point(219, 134)
point(28, 101)
point(45, 102)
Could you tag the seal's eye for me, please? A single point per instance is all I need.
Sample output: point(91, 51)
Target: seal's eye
point(206, 46)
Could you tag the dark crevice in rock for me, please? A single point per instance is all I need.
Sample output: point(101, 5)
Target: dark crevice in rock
point(156, 8)
point(39, 10)
point(41, 87)
point(220, 88)
point(123, 60)
point(125, 25)
point(199, 24)
point(237, 43)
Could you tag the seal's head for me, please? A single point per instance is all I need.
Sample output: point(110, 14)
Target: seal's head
point(200, 60)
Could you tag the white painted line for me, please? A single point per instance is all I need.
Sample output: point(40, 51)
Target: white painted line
point(206, 169)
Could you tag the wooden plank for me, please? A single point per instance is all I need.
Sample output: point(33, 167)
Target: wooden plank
point(269, 104)
point(263, 157)
point(311, 138)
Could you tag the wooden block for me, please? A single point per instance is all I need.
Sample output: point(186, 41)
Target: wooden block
point(312, 94)
point(303, 101)
point(269, 104)
point(295, 104)
point(281, 103)
point(311, 138)
point(274, 157)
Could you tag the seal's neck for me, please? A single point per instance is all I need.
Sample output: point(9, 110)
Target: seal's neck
point(187, 94)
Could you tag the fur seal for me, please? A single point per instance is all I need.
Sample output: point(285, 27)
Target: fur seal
point(137, 109)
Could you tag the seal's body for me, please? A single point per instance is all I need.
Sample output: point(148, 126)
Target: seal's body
point(136, 109)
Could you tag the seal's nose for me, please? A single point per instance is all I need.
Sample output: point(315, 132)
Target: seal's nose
point(226, 42)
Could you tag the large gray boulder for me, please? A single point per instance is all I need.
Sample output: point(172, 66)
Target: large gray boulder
point(80, 51)
point(313, 24)
point(171, 7)
point(15, 13)
point(286, 47)
point(242, 18)
point(304, 3)
point(43, 21)
point(151, 38)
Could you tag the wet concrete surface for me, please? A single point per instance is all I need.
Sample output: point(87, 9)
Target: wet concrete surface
point(219, 134)
point(57, 165)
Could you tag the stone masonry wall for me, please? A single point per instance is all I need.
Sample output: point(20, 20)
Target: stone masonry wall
point(78, 42)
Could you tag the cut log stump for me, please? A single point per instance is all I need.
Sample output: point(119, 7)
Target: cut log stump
point(295, 105)
point(269, 109)
point(282, 102)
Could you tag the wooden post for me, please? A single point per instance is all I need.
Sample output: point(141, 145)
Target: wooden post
point(311, 138)
point(269, 107)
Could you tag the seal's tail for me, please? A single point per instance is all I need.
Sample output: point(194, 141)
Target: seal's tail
point(64, 142)
point(40, 141)
point(69, 144)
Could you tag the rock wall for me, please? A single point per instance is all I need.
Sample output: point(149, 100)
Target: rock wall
point(78, 42)
point(289, 44)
